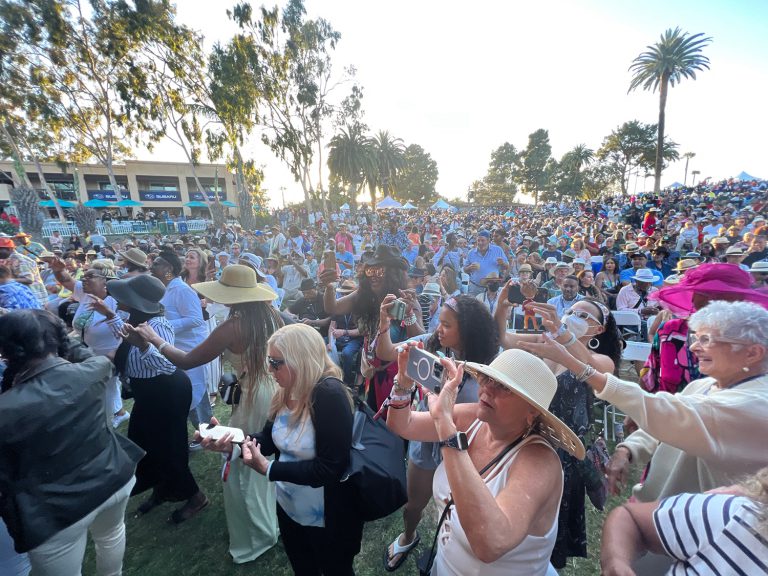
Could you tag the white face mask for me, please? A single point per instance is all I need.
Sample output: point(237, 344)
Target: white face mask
point(577, 326)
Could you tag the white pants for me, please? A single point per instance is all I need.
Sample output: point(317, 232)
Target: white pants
point(62, 554)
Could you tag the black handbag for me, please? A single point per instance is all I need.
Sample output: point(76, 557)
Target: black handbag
point(375, 480)
point(229, 388)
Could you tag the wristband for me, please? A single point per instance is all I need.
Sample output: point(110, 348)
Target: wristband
point(162, 347)
point(555, 335)
point(571, 341)
point(411, 320)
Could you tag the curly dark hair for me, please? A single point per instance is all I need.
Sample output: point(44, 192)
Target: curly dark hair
point(610, 341)
point(27, 335)
point(477, 331)
point(368, 303)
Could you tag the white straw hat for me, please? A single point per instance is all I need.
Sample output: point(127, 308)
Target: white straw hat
point(531, 379)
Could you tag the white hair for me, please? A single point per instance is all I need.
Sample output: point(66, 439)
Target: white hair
point(737, 320)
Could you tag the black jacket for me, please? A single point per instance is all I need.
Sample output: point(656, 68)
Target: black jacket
point(59, 457)
point(332, 418)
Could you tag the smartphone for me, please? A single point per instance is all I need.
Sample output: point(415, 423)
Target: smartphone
point(216, 431)
point(425, 368)
point(397, 311)
point(514, 295)
point(329, 260)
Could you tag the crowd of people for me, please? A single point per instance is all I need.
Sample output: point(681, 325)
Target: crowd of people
point(519, 304)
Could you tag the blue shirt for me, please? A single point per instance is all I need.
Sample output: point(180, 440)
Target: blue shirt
point(487, 262)
point(562, 305)
point(347, 259)
point(16, 296)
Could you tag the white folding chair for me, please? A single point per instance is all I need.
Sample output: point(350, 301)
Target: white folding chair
point(628, 322)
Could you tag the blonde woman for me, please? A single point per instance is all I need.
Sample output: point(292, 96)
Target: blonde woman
point(310, 430)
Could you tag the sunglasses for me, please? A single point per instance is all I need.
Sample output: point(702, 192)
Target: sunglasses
point(492, 385)
point(275, 363)
point(375, 272)
point(583, 314)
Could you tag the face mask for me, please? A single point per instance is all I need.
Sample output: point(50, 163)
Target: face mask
point(492, 286)
point(577, 326)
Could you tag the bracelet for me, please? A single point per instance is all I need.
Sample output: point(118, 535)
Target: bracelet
point(396, 386)
point(162, 347)
point(411, 320)
point(572, 340)
point(587, 373)
point(555, 335)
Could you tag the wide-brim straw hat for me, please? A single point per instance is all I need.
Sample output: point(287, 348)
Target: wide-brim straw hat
point(134, 256)
point(347, 287)
point(529, 378)
point(491, 277)
point(238, 284)
point(141, 292)
point(686, 264)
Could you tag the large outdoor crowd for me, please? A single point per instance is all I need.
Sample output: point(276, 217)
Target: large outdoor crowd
point(528, 311)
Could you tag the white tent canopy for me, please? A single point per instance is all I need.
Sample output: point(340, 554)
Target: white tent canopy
point(746, 177)
point(675, 185)
point(387, 203)
point(442, 205)
point(409, 206)
point(344, 207)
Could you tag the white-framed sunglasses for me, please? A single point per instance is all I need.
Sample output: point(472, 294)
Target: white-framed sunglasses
point(583, 314)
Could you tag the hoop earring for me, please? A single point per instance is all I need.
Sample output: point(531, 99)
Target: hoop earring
point(593, 343)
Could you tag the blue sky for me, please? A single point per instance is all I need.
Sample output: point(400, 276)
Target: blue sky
point(461, 78)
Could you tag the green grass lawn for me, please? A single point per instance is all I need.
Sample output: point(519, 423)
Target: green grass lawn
point(200, 546)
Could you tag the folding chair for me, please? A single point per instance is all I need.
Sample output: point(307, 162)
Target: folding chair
point(628, 322)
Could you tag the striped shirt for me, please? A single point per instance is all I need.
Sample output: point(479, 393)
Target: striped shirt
point(711, 534)
point(151, 362)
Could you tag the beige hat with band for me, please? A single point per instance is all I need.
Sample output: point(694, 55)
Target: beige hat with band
point(238, 284)
point(529, 378)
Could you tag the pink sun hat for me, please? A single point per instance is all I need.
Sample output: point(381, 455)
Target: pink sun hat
point(725, 280)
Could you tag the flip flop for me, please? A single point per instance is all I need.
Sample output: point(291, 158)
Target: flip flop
point(403, 551)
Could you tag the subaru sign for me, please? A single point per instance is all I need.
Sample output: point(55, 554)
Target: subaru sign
point(160, 195)
point(198, 196)
point(108, 195)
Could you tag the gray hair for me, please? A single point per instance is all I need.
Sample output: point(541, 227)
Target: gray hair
point(737, 320)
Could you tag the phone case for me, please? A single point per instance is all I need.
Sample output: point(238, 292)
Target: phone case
point(216, 432)
point(425, 368)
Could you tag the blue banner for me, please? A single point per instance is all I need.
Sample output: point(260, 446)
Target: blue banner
point(199, 196)
point(160, 195)
point(108, 195)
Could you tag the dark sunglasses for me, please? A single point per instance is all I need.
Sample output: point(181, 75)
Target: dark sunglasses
point(275, 363)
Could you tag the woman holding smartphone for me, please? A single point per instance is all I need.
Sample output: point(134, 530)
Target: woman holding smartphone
point(466, 332)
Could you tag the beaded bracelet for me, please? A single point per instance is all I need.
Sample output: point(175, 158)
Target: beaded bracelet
point(411, 320)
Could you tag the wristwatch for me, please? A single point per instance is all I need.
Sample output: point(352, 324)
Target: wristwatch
point(457, 442)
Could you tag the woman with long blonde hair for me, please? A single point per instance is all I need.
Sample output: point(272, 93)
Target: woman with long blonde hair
point(310, 428)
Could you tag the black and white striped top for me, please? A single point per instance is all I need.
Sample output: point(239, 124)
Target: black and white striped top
point(712, 534)
point(151, 362)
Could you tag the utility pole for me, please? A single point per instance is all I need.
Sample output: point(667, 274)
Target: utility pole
point(282, 193)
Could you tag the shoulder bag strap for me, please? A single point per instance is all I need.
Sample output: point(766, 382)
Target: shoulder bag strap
point(485, 469)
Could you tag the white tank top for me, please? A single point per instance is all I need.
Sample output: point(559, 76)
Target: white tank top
point(454, 554)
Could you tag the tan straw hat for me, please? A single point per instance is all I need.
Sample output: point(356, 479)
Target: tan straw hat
point(238, 284)
point(686, 264)
point(530, 379)
point(134, 256)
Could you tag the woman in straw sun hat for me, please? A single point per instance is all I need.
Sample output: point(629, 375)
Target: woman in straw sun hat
point(249, 501)
point(511, 430)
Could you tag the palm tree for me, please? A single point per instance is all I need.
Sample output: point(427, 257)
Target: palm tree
point(687, 156)
point(390, 159)
point(677, 55)
point(351, 157)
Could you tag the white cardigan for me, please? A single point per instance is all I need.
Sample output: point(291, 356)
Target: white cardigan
point(696, 440)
